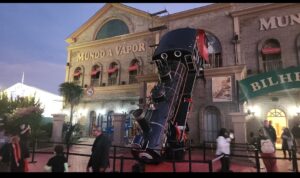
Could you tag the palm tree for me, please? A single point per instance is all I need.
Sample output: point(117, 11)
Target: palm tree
point(72, 94)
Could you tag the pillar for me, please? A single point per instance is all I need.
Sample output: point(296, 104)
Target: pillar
point(239, 126)
point(57, 127)
point(119, 129)
point(240, 132)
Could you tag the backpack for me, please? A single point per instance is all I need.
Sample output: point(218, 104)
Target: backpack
point(267, 146)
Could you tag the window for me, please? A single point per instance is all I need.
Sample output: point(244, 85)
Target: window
point(214, 51)
point(77, 76)
point(113, 72)
point(271, 55)
point(95, 75)
point(133, 71)
point(112, 28)
point(106, 122)
point(211, 123)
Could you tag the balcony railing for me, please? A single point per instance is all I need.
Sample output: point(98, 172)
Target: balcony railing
point(215, 61)
point(272, 65)
point(77, 82)
point(95, 82)
point(112, 81)
point(132, 79)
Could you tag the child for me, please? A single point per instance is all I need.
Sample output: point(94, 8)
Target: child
point(57, 163)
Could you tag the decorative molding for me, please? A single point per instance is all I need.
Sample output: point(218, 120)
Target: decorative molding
point(111, 40)
point(100, 12)
point(223, 71)
point(261, 8)
point(200, 10)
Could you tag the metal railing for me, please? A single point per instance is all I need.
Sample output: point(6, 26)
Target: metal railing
point(246, 147)
point(207, 147)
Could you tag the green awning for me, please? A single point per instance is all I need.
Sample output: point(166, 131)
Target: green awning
point(262, 84)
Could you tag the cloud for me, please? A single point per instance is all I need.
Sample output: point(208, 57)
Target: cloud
point(43, 75)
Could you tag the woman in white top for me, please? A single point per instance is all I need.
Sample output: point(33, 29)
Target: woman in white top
point(223, 148)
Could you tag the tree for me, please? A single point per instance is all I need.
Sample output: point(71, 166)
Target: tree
point(21, 110)
point(72, 94)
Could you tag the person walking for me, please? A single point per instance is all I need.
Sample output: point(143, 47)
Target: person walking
point(271, 130)
point(25, 131)
point(99, 159)
point(296, 134)
point(268, 158)
point(223, 148)
point(16, 152)
point(4, 153)
point(287, 142)
point(57, 163)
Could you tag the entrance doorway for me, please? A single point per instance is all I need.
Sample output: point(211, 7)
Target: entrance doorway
point(211, 125)
point(279, 121)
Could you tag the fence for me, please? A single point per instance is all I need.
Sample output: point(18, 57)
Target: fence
point(208, 148)
point(251, 150)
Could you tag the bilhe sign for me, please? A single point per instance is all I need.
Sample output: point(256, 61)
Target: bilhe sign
point(268, 82)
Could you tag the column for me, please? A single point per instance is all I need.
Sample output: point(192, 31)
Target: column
point(239, 127)
point(119, 129)
point(57, 127)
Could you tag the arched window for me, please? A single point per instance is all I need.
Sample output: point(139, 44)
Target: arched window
point(113, 73)
point(211, 123)
point(214, 51)
point(95, 75)
point(77, 76)
point(112, 28)
point(133, 71)
point(271, 55)
point(106, 122)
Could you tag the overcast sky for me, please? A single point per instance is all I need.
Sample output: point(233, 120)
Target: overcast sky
point(32, 38)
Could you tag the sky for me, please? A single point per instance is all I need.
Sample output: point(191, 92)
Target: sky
point(32, 38)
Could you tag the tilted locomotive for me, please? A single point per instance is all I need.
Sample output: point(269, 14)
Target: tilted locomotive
point(179, 58)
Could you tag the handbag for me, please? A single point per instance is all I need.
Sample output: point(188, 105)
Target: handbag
point(267, 146)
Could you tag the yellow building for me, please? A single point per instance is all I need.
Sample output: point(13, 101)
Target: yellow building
point(111, 57)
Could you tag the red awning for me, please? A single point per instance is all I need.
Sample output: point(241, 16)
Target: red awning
point(271, 50)
point(95, 71)
point(76, 74)
point(133, 67)
point(202, 46)
point(112, 70)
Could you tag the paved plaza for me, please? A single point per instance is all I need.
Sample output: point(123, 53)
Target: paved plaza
point(78, 163)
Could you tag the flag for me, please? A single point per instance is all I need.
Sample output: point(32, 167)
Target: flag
point(23, 78)
point(202, 44)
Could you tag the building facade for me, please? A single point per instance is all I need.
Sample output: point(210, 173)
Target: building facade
point(111, 57)
point(50, 102)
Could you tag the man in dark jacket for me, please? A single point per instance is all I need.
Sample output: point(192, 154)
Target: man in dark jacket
point(270, 131)
point(99, 159)
point(296, 133)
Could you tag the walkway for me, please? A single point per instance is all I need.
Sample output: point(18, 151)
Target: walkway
point(78, 163)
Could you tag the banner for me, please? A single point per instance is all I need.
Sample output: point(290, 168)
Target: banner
point(268, 82)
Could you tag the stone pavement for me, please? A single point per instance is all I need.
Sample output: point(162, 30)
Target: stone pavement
point(78, 163)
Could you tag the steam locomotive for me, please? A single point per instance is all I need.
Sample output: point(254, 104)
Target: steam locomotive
point(179, 59)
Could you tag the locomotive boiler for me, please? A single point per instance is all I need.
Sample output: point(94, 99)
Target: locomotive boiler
point(179, 59)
